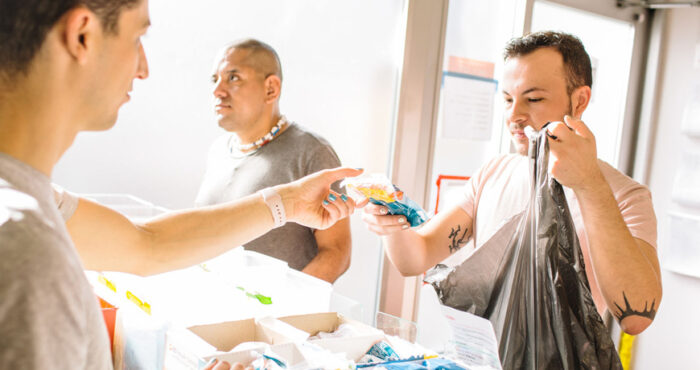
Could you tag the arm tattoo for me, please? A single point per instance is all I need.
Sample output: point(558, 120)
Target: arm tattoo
point(628, 311)
point(455, 243)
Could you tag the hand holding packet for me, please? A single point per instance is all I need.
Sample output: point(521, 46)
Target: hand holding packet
point(379, 190)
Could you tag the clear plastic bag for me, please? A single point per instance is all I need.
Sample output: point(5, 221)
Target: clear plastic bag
point(529, 280)
point(380, 190)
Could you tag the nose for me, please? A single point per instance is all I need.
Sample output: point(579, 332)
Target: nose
point(142, 71)
point(516, 113)
point(219, 91)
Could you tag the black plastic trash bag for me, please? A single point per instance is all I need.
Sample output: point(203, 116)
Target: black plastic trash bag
point(529, 280)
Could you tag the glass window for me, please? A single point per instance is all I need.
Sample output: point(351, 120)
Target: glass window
point(609, 43)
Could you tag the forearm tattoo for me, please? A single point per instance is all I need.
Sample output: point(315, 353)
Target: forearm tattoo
point(628, 311)
point(457, 241)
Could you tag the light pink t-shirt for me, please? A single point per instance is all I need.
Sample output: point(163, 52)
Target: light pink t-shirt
point(501, 189)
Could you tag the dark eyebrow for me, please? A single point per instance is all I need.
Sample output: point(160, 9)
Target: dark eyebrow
point(532, 89)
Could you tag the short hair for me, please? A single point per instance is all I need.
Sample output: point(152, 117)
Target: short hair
point(577, 63)
point(24, 25)
point(258, 48)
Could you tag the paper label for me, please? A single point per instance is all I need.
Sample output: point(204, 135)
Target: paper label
point(473, 338)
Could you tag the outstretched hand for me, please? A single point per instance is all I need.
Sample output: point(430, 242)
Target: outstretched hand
point(573, 160)
point(310, 201)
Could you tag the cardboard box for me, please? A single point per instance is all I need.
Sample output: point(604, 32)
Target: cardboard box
point(353, 347)
point(193, 347)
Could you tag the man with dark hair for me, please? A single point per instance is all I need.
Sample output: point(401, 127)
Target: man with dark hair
point(547, 78)
point(80, 61)
point(262, 149)
point(577, 63)
point(24, 26)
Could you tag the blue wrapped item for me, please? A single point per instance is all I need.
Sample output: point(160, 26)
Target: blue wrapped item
point(416, 364)
point(383, 351)
point(431, 364)
point(381, 191)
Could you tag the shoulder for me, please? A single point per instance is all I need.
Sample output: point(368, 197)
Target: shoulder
point(310, 146)
point(30, 249)
point(18, 210)
point(302, 135)
point(505, 161)
point(500, 165)
point(623, 186)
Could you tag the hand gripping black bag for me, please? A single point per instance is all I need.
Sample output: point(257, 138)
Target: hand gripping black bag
point(529, 280)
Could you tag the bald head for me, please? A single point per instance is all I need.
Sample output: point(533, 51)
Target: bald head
point(257, 55)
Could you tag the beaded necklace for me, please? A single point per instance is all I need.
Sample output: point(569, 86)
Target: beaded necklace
point(257, 144)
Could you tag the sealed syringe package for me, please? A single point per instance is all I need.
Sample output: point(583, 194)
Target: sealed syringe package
point(380, 190)
point(529, 280)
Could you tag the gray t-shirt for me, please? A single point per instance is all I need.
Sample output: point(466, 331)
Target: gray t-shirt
point(230, 175)
point(49, 315)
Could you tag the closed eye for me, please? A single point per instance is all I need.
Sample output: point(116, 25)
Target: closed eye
point(535, 100)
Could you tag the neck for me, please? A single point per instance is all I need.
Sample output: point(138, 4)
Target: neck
point(33, 133)
point(275, 130)
point(259, 129)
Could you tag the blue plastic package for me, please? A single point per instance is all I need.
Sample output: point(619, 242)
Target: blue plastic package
point(381, 191)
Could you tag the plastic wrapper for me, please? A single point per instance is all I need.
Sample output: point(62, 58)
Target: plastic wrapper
point(380, 190)
point(529, 280)
point(379, 352)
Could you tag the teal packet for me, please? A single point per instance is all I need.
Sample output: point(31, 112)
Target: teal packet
point(379, 190)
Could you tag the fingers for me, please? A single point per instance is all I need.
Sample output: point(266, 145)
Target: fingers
point(578, 126)
point(558, 130)
point(376, 209)
point(340, 173)
point(338, 205)
point(215, 364)
point(362, 203)
point(380, 223)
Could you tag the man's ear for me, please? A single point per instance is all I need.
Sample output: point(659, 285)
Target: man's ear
point(273, 88)
point(580, 98)
point(81, 29)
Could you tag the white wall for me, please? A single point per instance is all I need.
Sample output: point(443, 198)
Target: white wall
point(340, 60)
point(671, 341)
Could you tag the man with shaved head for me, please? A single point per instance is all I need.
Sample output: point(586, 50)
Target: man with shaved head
point(261, 149)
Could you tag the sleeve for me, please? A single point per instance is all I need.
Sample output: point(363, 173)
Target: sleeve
point(471, 188)
point(634, 202)
point(324, 157)
point(467, 202)
point(66, 201)
point(637, 211)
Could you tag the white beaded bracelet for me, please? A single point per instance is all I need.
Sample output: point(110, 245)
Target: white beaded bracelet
point(274, 202)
